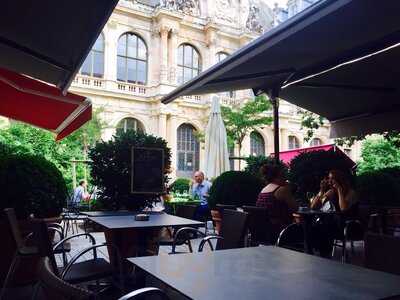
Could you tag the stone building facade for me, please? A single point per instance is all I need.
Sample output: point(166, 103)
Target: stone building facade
point(148, 48)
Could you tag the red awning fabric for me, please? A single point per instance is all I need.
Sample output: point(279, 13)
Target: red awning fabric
point(287, 156)
point(39, 104)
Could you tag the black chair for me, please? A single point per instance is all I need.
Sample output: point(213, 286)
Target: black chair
point(50, 286)
point(233, 231)
point(22, 250)
point(292, 237)
point(382, 252)
point(260, 228)
point(74, 272)
point(184, 211)
point(222, 207)
point(143, 293)
point(352, 231)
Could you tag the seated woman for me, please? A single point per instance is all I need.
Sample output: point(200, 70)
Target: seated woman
point(345, 201)
point(326, 199)
point(277, 197)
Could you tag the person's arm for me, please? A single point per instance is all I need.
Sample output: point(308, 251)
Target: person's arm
point(345, 200)
point(316, 202)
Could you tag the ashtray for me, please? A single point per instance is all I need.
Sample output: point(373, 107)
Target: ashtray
point(142, 217)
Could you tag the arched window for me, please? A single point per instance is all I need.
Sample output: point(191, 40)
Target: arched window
point(132, 59)
point(189, 63)
point(257, 145)
point(220, 57)
point(129, 124)
point(293, 142)
point(315, 142)
point(231, 161)
point(94, 62)
point(188, 151)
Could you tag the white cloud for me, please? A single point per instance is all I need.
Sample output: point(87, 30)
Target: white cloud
point(271, 3)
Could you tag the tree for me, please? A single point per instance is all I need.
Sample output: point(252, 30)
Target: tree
point(378, 154)
point(21, 138)
point(240, 121)
point(311, 122)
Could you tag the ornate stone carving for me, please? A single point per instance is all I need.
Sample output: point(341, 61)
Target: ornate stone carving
point(224, 10)
point(253, 21)
point(190, 7)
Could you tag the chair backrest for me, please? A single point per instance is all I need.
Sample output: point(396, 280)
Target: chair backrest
point(382, 252)
point(146, 293)
point(186, 211)
point(233, 229)
point(292, 237)
point(52, 287)
point(259, 225)
point(13, 223)
point(43, 242)
point(222, 207)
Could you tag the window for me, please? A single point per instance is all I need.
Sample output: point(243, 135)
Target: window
point(187, 151)
point(257, 145)
point(293, 142)
point(94, 62)
point(220, 57)
point(315, 142)
point(132, 59)
point(129, 124)
point(189, 63)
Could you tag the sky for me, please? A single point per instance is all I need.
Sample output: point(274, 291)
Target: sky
point(282, 3)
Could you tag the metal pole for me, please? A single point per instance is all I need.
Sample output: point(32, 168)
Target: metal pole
point(74, 174)
point(273, 95)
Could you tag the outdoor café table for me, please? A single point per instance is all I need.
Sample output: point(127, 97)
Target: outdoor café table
point(102, 213)
point(266, 273)
point(307, 217)
point(133, 237)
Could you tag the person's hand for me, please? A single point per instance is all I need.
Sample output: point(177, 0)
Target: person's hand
point(324, 185)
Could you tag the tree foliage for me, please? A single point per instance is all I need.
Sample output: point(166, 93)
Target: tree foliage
point(310, 122)
point(21, 138)
point(240, 121)
point(378, 154)
point(31, 185)
point(111, 164)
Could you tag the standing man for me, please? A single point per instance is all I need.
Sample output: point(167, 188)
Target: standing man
point(200, 190)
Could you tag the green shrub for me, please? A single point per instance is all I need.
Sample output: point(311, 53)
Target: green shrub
point(180, 185)
point(31, 185)
point(254, 163)
point(235, 188)
point(381, 187)
point(308, 168)
point(110, 169)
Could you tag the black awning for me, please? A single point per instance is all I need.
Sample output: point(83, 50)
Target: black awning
point(328, 34)
point(49, 40)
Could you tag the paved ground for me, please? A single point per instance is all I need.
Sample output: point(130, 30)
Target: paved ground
point(82, 242)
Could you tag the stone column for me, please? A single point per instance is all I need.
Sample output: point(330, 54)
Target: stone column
point(162, 125)
point(172, 141)
point(172, 52)
point(211, 40)
point(164, 54)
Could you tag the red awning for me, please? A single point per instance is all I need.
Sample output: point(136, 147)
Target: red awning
point(39, 104)
point(287, 156)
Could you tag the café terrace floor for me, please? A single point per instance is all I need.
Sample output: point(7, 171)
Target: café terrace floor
point(80, 243)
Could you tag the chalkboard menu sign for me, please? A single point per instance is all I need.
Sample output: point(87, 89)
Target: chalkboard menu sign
point(147, 170)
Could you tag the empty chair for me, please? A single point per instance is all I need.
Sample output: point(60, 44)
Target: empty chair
point(21, 249)
point(152, 292)
point(292, 237)
point(184, 211)
point(50, 286)
point(259, 225)
point(233, 231)
point(382, 253)
point(76, 272)
point(222, 207)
